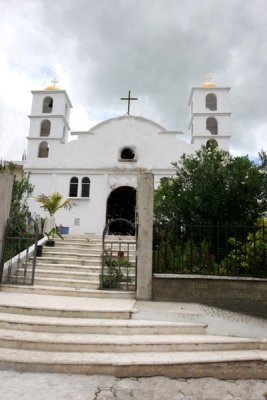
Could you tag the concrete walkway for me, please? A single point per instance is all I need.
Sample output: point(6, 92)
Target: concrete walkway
point(218, 321)
point(36, 386)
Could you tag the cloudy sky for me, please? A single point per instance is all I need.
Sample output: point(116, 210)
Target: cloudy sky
point(99, 49)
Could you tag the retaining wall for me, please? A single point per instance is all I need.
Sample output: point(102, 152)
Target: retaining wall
point(247, 295)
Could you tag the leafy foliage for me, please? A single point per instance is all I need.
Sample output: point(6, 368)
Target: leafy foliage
point(53, 203)
point(214, 250)
point(52, 233)
point(213, 187)
point(7, 166)
point(19, 225)
point(113, 276)
point(212, 198)
point(22, 190)
point(248, 256)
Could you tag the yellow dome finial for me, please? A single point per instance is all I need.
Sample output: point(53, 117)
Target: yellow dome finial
point(208, 82)
point(53, 87)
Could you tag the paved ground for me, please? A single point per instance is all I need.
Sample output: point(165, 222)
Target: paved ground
point(219, 321)
point(29, 386)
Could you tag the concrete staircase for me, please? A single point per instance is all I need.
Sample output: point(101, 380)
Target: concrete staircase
point(75, 328)
point(70, 268)
point(100, 336)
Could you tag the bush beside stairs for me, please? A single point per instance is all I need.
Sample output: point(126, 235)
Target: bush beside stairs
point(65, 324)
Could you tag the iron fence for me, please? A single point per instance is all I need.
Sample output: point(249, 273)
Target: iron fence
point(210, 250)
point(17, 265)
point(118, 259)
point(119, 265)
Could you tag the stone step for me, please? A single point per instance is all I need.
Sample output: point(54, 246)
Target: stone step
point(83, 246)
point(118, 238)
point(97, 269)
point(72, 313)
point(90, 276)
point(98, 246)
point(97, 326)
point(72, 249)
point(68, 267)
point(242, 364)
point(51, 306)
point(77, 240)
point(69, 254)
point(74, 283)
point(108, 343)
point(70, 260)
point(67, 291)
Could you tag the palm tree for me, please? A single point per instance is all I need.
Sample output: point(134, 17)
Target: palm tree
point(53, 203)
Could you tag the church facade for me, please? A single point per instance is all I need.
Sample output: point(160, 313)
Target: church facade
point(98, 169)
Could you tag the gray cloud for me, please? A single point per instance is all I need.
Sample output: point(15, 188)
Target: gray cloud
point(159, 49)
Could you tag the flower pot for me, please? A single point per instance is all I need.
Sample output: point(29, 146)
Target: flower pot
point(39, 250)
point(50, 243)
point(64, 230)
point(120, 254)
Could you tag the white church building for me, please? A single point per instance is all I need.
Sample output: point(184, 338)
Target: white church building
point(98, 169)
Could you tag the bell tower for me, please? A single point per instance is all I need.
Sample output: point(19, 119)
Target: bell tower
point(210, 114)
point(49, 123)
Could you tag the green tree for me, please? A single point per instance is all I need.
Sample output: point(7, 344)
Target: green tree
point(22, 190)
point(213, 187)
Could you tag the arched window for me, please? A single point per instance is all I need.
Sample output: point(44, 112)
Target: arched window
point(85, 187)
point(211, 143)
point(73, 187)
point(211, 102)
point(47, 104)
point(127, 154)
point(43, 150)
point(212, 125)
point(45, 128)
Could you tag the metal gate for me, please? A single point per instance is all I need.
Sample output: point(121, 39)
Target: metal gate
point(118, 258)
point(19, 251)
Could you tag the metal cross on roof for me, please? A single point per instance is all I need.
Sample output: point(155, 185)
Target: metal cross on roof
point(54, 81)
point(129, 98)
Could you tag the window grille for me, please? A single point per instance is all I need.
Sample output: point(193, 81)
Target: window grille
point(47, 105)
point(211, 102)
point(43, 150)
point(85, 187)
point(212, 125)
point(45, 127)
point(73, 187)
point(127, 154)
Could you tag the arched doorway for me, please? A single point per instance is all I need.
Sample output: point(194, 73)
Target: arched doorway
point(121, 203)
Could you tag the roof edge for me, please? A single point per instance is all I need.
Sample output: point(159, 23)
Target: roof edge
point(97, 126)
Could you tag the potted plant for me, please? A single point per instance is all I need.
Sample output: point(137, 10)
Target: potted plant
point(52, 204)
point(50, 237)
point(39, 250)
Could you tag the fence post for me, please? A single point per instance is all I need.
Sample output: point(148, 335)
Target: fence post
point(145, 199)
point(6, 185)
